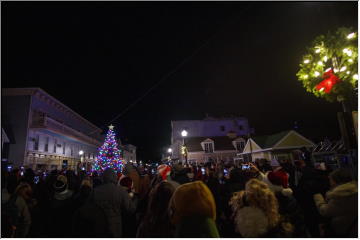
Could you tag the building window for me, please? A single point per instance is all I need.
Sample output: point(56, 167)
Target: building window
point(72, 150)
point(209, 147)
point(240, 146)
point(36, 145)
point(46, 149)
point(64, 147)
point(55, 143)
point(222, 128)
point(241, 127)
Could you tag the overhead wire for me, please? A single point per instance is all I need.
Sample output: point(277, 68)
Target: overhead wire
point(166, 76)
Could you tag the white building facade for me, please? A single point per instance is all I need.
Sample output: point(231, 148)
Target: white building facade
point(48, 135)
point(129, 152)
point(230, 130)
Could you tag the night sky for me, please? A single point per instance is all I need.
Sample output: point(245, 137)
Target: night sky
point(215, 58)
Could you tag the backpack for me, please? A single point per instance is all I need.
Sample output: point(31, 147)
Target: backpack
point(9, 217)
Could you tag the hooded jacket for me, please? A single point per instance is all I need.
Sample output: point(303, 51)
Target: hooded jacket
point(340, 206)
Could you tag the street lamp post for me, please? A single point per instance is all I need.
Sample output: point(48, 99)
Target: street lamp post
point(81, 153)
point(170, 154)
point(184, 133)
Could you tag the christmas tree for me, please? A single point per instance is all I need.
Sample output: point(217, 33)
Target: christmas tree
point(109, 154)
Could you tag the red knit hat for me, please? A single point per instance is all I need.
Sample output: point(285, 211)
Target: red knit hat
point(279, 178)
point(164, 170)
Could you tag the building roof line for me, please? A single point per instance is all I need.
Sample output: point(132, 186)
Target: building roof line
point(33, 91)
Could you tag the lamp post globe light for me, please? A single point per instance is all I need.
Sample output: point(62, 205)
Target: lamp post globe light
point(184, 133)
point(81, 153)
point(169, 154)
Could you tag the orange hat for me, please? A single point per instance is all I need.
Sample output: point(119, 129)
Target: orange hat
point(192, 199)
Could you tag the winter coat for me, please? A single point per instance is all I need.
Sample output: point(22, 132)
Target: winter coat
point(114, 200)
point(90, 221)
point(61, 210)
point(196, 227)
point(340, 206)
point(23, 226)
point(292, 212)
point(312, 181)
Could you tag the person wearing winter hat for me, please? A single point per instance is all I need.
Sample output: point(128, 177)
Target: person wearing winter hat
point(278, 182)
point(164, 172)
point(61, 188)
point(192, 210)
point(255, 212)
point(62, 207)
point(114, 201)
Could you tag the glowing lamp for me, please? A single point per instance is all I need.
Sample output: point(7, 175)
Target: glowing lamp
point(350, 36)
point(81, 152)
point(184, 133)
point(169, 150)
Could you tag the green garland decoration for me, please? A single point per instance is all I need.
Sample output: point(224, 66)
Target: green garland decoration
point(338, 52)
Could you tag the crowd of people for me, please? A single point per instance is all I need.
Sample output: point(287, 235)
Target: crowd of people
point(212, 200)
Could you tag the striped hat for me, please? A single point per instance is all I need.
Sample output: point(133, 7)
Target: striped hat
point(164, 170)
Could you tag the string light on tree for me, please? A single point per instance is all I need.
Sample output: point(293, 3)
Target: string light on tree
point(109, 155)
point(337, 52)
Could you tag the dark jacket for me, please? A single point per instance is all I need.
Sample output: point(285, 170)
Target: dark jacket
point(114, 200)
point(61, 212)
point(90, 221)
point(292, 213)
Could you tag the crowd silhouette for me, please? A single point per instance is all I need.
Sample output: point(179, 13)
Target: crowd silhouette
point(211, 200)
